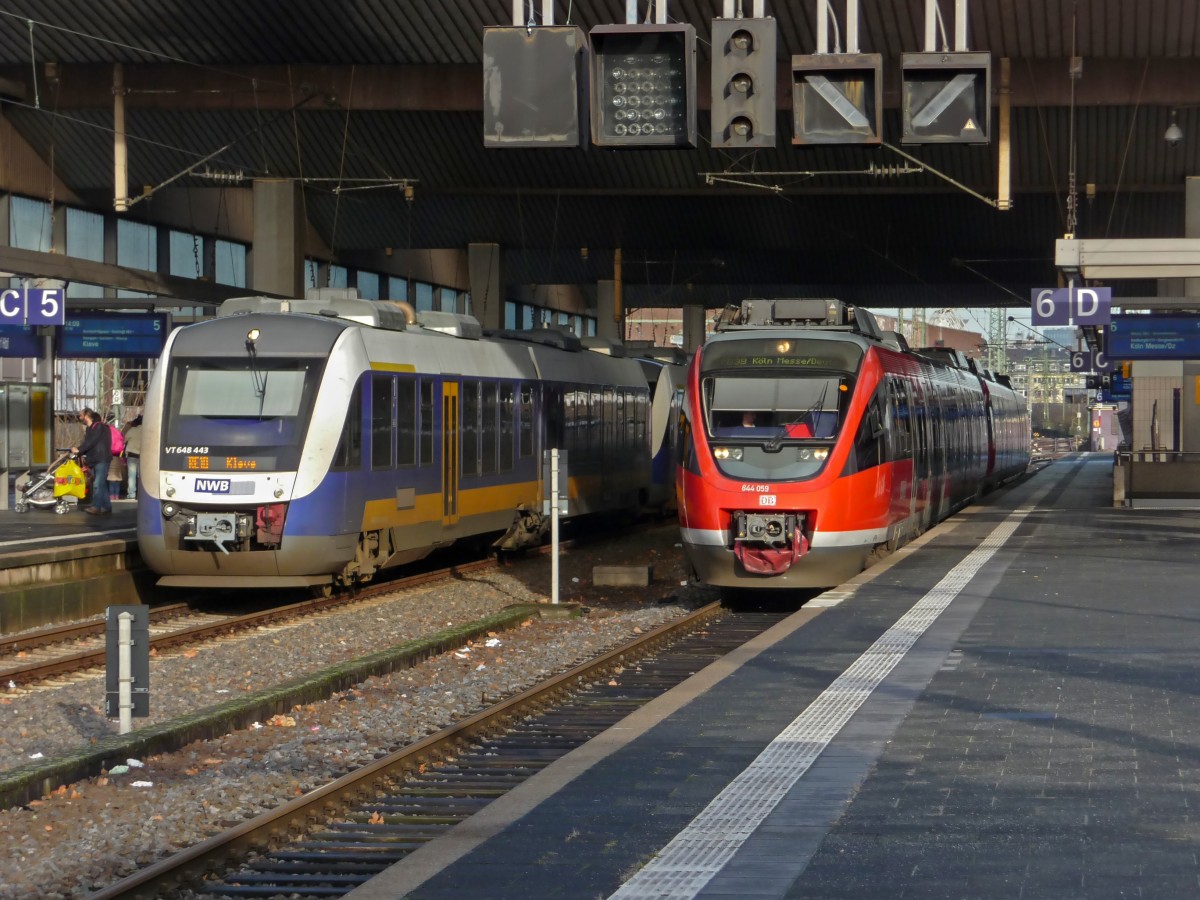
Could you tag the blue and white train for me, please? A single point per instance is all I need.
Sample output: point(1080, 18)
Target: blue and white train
point(311, 443)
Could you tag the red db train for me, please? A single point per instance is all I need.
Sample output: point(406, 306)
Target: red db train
point(809, 438)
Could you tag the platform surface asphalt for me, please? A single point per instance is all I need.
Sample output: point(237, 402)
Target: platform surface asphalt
point(38, 529)
point(1024, 725)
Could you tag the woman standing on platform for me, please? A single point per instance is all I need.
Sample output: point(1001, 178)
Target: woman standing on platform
point(96, 448)
point(133, 453)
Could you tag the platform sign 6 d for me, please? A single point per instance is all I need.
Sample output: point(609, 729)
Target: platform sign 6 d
point(32, 306)
point(1058, 306)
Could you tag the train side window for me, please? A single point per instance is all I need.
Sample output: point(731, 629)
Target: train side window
point(406, 422)
point(381, 422)
point(469, 432)
point(426, 457)
point(526, 427)
point(487, 426)
point(508, 415)
point(349, 451)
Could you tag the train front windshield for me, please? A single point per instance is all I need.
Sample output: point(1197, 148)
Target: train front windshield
point(245, 414)
point(774, 407)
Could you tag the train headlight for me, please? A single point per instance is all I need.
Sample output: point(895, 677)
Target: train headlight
point(727, 452)
point(170, 492)
point(278, 492)
point(169, 510)
point(821, 453)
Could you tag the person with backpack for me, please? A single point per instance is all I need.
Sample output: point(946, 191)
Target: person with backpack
point(116, 470)
point(96, 448)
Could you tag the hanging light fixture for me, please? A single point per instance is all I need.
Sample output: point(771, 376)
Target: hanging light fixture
point(1174, 134)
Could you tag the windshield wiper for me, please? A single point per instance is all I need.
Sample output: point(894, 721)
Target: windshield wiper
point(776, 443)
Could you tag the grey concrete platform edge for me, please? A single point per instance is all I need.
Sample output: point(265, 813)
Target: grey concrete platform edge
point(30, 782)
point(432, 858)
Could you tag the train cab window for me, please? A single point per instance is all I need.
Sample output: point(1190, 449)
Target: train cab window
point(426, 457)
point(231, 404)
point(406, 421)
point(508, 413)
point(350, 445)
point(489, 409)
point(526, 426)
point(469, 431)
point(382, 442)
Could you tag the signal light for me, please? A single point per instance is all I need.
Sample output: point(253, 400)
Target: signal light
point(837, 98)
point(743, 82)
point(643, 85)
point(947, 98)
point(534, 86)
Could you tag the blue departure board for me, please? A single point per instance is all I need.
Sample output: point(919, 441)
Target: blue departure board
point(121, 335)
point(1154, 337)
point(19, 341)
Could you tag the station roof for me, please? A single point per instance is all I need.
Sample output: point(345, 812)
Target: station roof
point(338, 93)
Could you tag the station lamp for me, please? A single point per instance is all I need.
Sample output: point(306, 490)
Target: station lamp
point(643, 85)
point(946, 98)
point(837, 98)
point(743, 82)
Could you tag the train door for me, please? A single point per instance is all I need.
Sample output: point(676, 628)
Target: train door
point(450, 452)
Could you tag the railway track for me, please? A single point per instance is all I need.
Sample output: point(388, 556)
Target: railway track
point(29, 659)
point(332, 839)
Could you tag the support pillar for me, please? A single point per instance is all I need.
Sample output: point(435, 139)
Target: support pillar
point(1191, 226)
point(693, 328)
point(485, 271)
point(606, 307)
point(276, 258)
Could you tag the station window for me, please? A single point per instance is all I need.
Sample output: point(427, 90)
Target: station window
point(311, 271)
point(368, 285)
point(85, 240)
point(29, 224)
point(230, 263)
point(339, 277)
point(137, 248)
point(424, 296)
point(510, 315)
point(398, 289)
point(186, 254)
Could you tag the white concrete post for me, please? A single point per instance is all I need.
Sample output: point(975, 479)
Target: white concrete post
point(125, 671)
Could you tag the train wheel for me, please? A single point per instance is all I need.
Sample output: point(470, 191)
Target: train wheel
point(322, 591)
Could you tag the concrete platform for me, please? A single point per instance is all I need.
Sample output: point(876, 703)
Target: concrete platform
point(1007, 710)
point(57, 567)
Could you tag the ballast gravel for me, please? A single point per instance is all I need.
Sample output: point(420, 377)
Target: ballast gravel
point(86, 836)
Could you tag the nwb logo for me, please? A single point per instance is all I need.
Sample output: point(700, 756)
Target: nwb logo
point(212, 485)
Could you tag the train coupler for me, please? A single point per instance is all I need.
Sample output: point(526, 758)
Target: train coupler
point(768, 544)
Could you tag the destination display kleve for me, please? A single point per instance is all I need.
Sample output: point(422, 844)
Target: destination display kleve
point(1154, 337)
point(124, 335)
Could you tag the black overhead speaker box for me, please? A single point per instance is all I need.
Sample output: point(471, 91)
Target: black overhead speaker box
point(946, 98)
point(535, 86)
point(837, 98)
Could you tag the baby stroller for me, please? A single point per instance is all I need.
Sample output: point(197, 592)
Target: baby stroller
point(59, 488)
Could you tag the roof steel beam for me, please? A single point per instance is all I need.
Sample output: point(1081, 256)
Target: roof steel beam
point(66, 268)
point(450, 88)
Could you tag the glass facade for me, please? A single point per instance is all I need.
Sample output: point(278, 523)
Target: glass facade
point(230, 263)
